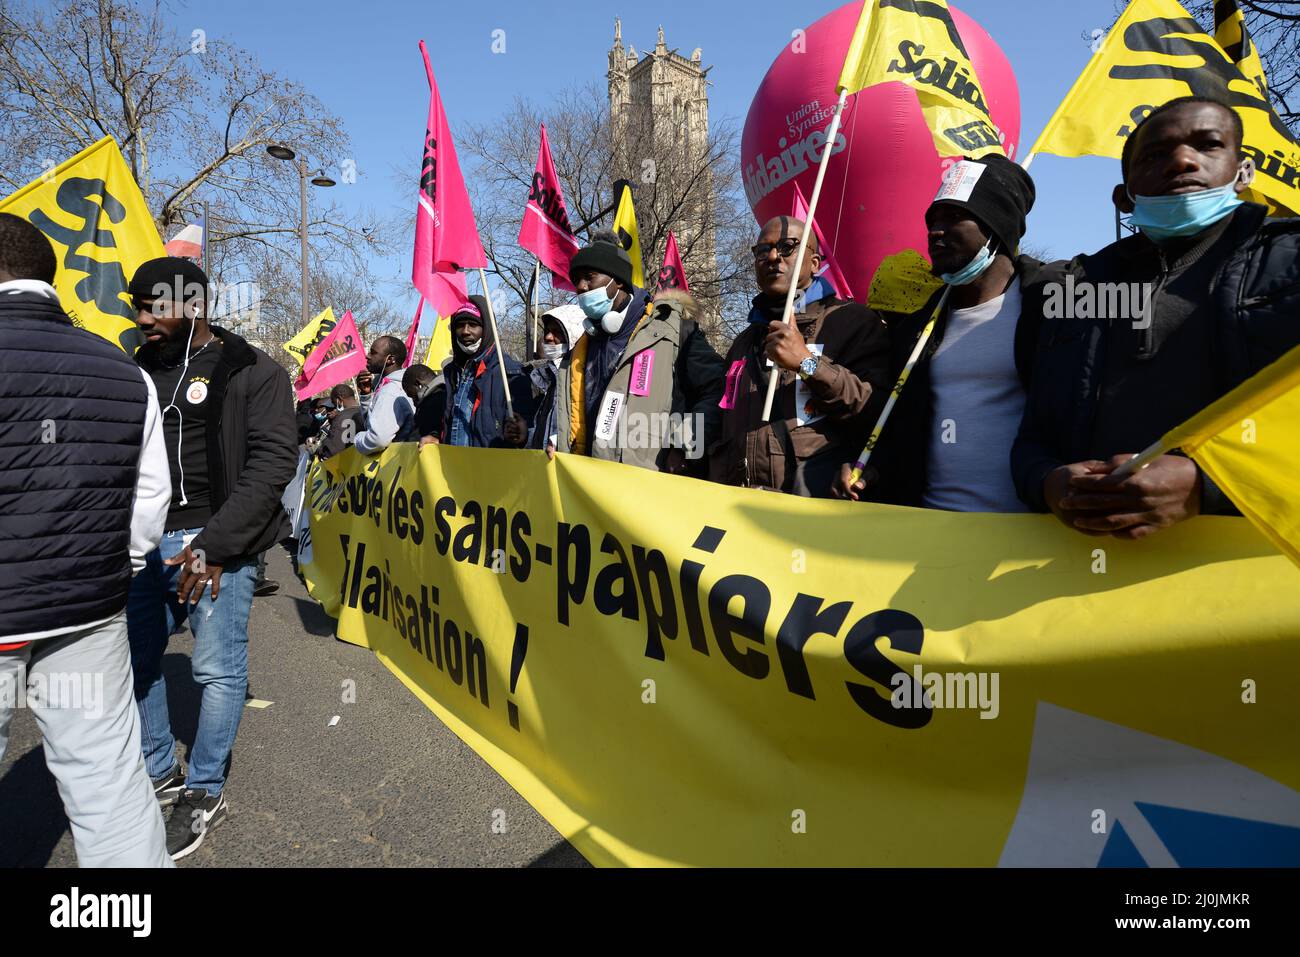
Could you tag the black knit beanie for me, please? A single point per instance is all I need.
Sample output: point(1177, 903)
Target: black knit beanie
point(603, 257)
point(1001, 199)
point(162, 278)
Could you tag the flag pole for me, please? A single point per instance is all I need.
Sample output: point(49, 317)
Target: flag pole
point(496, 337)
point(831, 134)
point(537, 304)
point(921, 342)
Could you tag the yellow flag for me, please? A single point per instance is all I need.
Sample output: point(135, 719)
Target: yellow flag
point(918, 44)
point(1157, 52)
point(92, 212)
point(310, 336)
point(1230, 33)
point(1247, 442)
point(439, 344)
point(629, 235)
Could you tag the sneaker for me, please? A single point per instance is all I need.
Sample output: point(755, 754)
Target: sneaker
point(168, 787)
point(194, 815)
point(265, 587)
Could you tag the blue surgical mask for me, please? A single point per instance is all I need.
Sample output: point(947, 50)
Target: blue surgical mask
point(595, 303)
point(1183, 214)
point(972, 270)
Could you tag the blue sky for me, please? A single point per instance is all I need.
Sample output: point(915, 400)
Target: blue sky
point(362, 61)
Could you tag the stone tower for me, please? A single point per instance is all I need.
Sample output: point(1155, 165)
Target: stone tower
point(659, 109)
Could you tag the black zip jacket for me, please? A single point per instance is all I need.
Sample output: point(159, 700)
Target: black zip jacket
point(252, 450)
point(1255, 297)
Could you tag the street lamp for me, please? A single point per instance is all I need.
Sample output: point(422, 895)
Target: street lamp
point(319, 179)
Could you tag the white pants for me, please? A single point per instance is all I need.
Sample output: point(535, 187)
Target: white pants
point(80, 689)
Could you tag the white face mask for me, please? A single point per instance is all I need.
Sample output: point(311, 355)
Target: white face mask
point(473, 347)
point(554, 353)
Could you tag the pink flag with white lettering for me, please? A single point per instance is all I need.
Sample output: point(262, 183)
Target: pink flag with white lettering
point(446, 236)
point(338, 358)
point(413, 335)
point(830, 268)
point(546, 232)
point(673, 274)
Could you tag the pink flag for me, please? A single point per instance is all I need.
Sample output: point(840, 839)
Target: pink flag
point(830, 268)
point(446, 237)
point(413, 335)
point(673, 273)
point(338, 358)
point(546, 232)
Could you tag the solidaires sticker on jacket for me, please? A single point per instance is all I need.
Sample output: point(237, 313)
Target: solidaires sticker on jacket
point(674, 672)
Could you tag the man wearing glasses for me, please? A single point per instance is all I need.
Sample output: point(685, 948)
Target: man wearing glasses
point(834, 376)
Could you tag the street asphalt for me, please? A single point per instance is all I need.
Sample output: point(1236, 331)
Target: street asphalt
point(304, 793)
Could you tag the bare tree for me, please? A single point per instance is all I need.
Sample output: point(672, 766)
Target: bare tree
point(693, 197)
point(193, 116)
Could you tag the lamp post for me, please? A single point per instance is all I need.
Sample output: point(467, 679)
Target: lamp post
point(319, 179)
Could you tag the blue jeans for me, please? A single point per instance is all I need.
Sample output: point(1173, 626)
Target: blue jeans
point(220, 661)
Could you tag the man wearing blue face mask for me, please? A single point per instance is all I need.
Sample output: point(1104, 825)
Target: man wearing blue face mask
point(642, 367)
point(946, 444)
point(1211, 298)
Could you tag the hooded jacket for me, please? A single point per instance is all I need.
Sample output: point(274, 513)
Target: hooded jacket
point(488, 395)
point(252, 450)
point(677, 373)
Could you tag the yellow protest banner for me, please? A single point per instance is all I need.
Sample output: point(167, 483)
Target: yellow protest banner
point(674, 672)
point(1157, 52)
point(92, 212)
point(629, 235)
point(918, 44)
point(306, 340)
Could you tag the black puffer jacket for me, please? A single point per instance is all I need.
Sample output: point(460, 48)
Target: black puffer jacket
point(72, 414)
point(252, 450)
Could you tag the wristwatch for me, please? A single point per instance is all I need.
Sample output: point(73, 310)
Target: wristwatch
point(808, 367)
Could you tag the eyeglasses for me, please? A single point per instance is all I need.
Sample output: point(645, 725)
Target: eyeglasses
point(785, 249)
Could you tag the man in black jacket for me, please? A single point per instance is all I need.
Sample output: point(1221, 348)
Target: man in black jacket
point(228, 417)
point(1209, 298)
point(83, 479)
point(947, 443)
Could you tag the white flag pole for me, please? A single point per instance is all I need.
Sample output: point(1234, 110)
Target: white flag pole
point(831, 134)
point(537, 303)
point(501, 355)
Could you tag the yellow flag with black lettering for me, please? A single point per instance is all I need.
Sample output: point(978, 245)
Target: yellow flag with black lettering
point(310, 336)
point(629, 235)
point(915, 42)
point(1230, 33)
point(93, 214)
point(1155, 53)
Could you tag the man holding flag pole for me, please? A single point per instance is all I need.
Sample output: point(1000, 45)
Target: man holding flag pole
point(959, 124)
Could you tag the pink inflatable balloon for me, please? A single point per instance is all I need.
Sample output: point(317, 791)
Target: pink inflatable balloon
point(885, 170)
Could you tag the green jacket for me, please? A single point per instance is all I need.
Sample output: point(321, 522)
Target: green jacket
point(681, 376)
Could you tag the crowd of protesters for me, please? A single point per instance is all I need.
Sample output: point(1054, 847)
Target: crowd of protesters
point(1008, 406)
